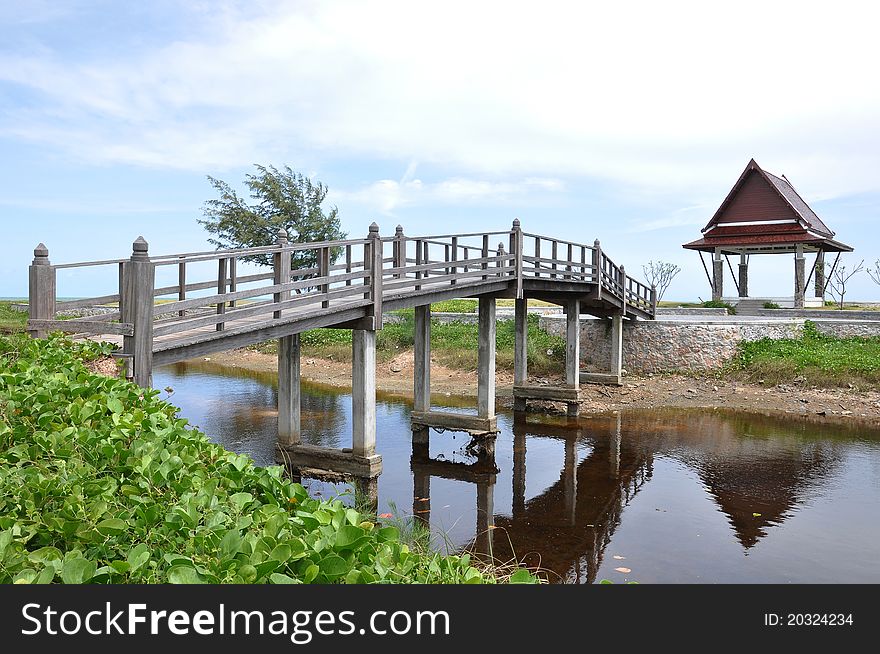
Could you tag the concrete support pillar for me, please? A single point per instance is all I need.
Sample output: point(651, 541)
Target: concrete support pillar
point(363, 392)
point(289, 395)
point(573, 344)
point(820, 275)
point(617, 344)
point(569, 481)
point(799, 277)
point(519, 472)
point(573, 350)
point(717, 276)
point(422, 359)
point(743, 275)
point(520, 350)
point(486, 359)
point(485, 515)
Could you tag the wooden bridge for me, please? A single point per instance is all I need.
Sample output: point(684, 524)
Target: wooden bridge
point(354, 283)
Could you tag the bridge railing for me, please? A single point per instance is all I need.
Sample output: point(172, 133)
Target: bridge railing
point(315, 275)
point(426, 262)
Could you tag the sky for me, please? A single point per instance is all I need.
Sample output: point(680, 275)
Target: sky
point(626, 122)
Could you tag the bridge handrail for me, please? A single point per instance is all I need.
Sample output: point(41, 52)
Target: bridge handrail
point(413, 264)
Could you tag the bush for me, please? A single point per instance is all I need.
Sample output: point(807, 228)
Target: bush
point(771, 305)
point(821, 359)
point(101, 482)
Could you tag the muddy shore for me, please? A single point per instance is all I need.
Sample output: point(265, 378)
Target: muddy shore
point(657, 391)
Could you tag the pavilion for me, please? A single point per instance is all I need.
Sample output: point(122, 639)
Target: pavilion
point(763, 214)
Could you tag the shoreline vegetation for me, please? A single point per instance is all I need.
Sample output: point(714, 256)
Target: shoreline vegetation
point(102, 482)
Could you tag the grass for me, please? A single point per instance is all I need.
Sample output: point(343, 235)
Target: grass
point(453, 344)
point(820, 360)
point(11, 321)
point(101, 482)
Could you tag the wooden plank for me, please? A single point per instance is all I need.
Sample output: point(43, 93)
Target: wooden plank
point(86, 302)
point(81, 327)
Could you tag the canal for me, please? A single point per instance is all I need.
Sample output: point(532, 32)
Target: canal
point(663, 496)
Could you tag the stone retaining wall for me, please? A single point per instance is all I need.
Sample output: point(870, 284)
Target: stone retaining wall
point(667, 345)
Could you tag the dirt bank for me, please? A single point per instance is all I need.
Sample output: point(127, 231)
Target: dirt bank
point(637, 392)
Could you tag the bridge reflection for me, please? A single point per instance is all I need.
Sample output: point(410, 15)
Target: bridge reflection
point(566, 528)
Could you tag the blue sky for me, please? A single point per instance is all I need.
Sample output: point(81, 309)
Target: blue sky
point(585, 120)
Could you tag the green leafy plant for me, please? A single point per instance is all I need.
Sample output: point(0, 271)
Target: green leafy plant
point(101, 482)
point(771, 305)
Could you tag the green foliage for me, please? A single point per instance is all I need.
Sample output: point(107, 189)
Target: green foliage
point(822, 360)
point(101, 482)
point(283, 199)
point(771, 305)
point(718, 304)
point(11, 321)
point(455, 306)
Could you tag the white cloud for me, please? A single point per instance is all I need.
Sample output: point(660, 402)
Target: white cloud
point(659, 96)
point(387, 195)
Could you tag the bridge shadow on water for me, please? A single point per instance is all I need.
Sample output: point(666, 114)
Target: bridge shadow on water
point(650, 496)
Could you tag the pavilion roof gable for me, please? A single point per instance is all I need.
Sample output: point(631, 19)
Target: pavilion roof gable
point(759, 197)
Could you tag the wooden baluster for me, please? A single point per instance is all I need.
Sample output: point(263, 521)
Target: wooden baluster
point(425, 257)
point(120, 279)
point(570, 259)
point(418, 263)
point(555, 257)
point(181, 284)
point(233, 279)
point(324, 273)
point(537, 256)
point(465, 250)
point(282, 269)
point(499, 264)
point(221, 290)
point(446, 255)
point(485, 255)
point(398, 252)
point(454, 258)
point(348, 263)
point(583, 263)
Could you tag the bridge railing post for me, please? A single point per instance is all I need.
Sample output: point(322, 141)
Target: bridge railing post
point(623, 293)
point(281, 263)
point(516, 249)
point(653, 300)
point(399, 250)
point(500, 263)
point(137, 304)
point(485, 255)
point(41, 289)
point(597, 262)
point(374, 255)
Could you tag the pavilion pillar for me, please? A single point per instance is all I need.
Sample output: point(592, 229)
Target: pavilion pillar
point(717, 276)
point(820, 275)
point(799, 277)
point(743, 275)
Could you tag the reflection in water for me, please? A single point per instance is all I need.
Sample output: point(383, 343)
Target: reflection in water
point(675, 496)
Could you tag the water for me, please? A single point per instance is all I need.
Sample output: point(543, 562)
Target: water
point(681, 496)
